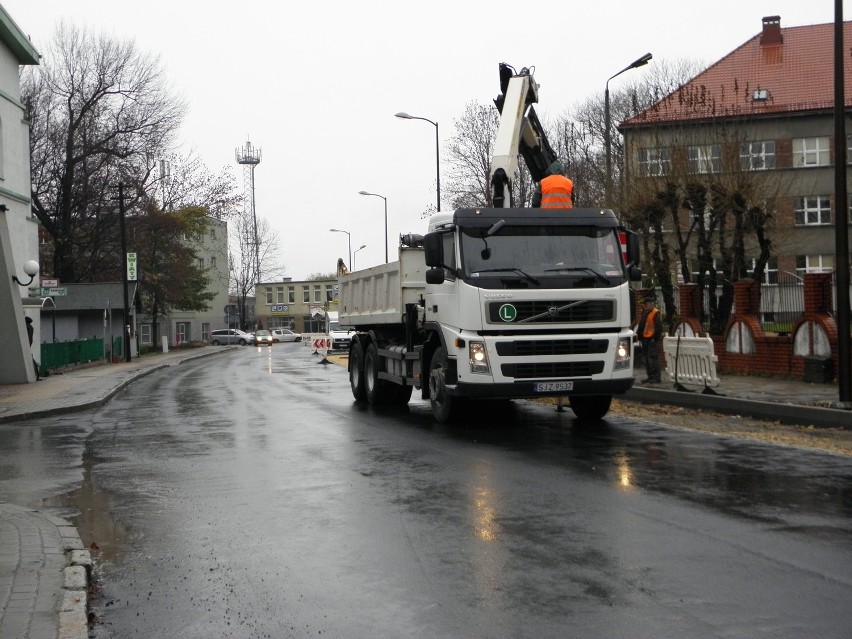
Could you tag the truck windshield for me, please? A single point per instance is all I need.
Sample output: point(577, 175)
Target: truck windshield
point(533, 253)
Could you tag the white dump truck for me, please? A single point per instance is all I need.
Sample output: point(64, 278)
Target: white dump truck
point(499, 303)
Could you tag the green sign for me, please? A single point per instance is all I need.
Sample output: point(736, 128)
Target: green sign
point(508, 313)
point(131, 267)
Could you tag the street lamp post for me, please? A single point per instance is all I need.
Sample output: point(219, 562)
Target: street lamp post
point(607, 137)
point(386, 218)
point(349, 238)
point(355, 254)
point(405, 116)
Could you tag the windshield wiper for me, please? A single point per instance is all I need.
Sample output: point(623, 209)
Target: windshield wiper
point(519, 271)
point(586, 269)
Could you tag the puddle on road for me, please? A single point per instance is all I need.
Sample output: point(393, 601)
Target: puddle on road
point(94, 520)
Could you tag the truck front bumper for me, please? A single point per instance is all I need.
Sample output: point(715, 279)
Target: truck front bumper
point(528, 389)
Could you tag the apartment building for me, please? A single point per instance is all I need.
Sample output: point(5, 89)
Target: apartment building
point(297, 305)
point(763, 115)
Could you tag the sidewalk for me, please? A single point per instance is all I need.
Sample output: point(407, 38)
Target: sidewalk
point(44, 567)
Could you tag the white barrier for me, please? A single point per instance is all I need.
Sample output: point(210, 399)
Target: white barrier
point(691, 360)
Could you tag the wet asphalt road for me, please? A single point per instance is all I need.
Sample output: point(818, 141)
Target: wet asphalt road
point(246, 495)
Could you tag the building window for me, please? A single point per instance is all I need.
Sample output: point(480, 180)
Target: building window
point(653, 162)
point(291, 294)
point(212, 233)
point(813, 209)
point(269, 295)
point(212, 262)
point(145, 334)
point(280, 294)
point(329, 292)
point(705, 159)
point(810, 152)
point(200, 262)
point(814, 264)
point(317, 293)
point(205, 331)
point(757, 156)
point(770, 271)
point(306, 294)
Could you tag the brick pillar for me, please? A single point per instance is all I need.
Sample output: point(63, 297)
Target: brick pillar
point(690, 301)
point(746, 297)
point(818, 293)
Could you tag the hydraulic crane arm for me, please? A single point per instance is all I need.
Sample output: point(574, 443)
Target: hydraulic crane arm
point(519, 131)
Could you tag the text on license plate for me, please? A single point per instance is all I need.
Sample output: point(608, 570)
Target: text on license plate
point(553, 387)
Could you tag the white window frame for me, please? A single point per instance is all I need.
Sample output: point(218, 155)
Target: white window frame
point(279, 291)
point(653, 162)
point(809, 152)
point(757, 155)
point(812, 210)
point(705, 158)
point(146, 334)
point(291, 294)
point(306, 294)
point(814, 264)
point(269, 295)
point(317, 294)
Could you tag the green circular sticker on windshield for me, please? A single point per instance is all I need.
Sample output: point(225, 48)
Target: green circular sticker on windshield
point(508, 313)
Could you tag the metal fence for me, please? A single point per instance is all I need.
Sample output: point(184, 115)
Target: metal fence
point(59, 354)
point(781, 303)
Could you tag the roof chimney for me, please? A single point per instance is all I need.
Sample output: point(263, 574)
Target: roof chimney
point(771, 31)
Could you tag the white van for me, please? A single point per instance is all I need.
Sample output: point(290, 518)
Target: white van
point(341, 336)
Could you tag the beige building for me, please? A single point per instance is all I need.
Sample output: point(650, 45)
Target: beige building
point(194, 326)
point(297, 305)
point(18, 227)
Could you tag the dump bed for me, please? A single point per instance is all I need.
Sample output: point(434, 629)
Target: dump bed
point(378, 295)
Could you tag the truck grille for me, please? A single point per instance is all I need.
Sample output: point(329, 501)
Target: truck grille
point(529, 348)
point(551, 312)
point(551, 369)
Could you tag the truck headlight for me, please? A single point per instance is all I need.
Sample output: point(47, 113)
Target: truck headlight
point(478, 358)
point(622, 354)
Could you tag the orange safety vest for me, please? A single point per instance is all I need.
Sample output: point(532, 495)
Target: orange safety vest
point(557, 192)
point(648, 329)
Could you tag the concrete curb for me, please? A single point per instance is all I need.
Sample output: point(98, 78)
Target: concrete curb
point(108, 395)
point(784, 413)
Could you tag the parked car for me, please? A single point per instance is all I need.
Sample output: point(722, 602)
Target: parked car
point(263, 337)
point(228, 336)
point(285, 335)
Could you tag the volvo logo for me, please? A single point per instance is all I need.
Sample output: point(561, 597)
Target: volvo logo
point(553, 311)
point(498, 296)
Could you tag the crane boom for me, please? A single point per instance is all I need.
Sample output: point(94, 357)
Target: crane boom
point(519, 132)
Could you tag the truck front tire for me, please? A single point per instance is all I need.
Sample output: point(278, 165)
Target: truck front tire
point(591, 408)
point(356, 372)
point(444, 406)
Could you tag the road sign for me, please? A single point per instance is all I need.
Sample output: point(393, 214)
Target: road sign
point(45, 283)
point(54, 292)
point(131, 267)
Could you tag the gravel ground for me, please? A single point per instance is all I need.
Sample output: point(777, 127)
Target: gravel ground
point(834, 440)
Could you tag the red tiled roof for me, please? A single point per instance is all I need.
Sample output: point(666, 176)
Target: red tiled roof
point(798, 75)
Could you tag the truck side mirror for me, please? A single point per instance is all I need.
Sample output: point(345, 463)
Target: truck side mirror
point(433, 244)
point(435, 276)
point(632, 248)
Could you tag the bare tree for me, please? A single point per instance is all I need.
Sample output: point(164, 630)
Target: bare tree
point(241, 248)
point(98, 108)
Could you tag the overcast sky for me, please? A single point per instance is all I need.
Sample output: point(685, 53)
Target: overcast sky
point(316, 86)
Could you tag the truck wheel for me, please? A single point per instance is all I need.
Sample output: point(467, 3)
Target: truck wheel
point(591, 408)
point(356, 372)
point(373, 386)
point(399, 394)
point(443, 404)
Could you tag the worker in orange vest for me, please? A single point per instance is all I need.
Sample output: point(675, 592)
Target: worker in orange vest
point(650, 331)
point(555, 191)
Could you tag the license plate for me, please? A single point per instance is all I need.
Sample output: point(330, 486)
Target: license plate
point(553, 387)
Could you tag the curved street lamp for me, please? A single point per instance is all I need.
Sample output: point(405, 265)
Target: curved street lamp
point(349, 238)
point(355, 254)
point(386, 219)
point(31, 268)
point(406, 116)
point(640, 62)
